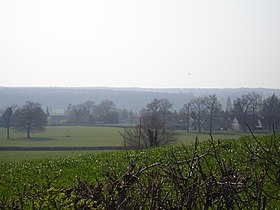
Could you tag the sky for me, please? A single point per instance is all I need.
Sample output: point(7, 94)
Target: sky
point(147, 43)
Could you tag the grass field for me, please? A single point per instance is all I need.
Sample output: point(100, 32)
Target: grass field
point(69, 136)
point(66, 136)
point(92, 136)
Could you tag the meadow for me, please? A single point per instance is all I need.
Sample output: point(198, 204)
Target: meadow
point(66, 136)
point(93, 136)
point(70, 136)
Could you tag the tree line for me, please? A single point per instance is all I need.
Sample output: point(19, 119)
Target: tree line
point(89, 113)
point(158, 120)
point(200, 113)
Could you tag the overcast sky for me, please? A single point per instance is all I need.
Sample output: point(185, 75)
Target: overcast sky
point(143, 43)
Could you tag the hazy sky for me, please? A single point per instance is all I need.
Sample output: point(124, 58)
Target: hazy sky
point(143, 43)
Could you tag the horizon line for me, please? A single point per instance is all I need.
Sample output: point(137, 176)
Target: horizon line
point(135, 87)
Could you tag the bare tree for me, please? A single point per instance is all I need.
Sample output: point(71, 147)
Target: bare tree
point(154, 128)
point(30, 118)
point(271, 111)
point(229, 104)
point(186, 111)
point(213, 106)
point(165, 107)
point(241, 107)
point(7, 115)
point(255, 102)
point(198, 106)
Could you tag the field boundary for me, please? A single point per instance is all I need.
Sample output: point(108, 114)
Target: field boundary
point(63, 148)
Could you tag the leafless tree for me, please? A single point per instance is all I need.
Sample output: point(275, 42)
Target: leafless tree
point(186, 111)
point(213, 106)
point(271, 111)
point(241, 107)
point(255, 102)
point(198, 106)
point(154, 128)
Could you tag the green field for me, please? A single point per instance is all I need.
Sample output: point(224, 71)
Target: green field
point(46, 180)
point(19, 156)
point(66, 136)
point(69, 136)
point(92, 136)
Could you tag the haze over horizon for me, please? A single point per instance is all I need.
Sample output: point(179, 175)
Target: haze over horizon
point(142, 44)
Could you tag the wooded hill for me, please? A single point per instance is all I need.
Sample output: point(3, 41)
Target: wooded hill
point(58, 98)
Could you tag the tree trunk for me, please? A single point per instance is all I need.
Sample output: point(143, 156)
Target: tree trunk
point(188, 120)
point(211, 123)
point(199, 122)
point(188, 124)
point(8, 132)
point(244, 123)
point(28, 132)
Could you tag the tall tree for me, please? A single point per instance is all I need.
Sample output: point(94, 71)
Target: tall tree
point(198, 106)
point(229, 105)
point(241, 107)
point(165, 107)
point(213, 106)
point(271, 111)
point(255, 102)
point(7, 115)
point(186, 112)
point(30, 118)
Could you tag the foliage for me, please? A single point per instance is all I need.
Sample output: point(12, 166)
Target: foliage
point(228, 174)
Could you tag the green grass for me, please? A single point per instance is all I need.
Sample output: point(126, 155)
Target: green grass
point(82, 136)
point(20, 156)
point(66, 136)
point(92, 136)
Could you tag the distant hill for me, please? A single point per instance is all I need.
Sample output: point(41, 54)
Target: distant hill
point(58, 98)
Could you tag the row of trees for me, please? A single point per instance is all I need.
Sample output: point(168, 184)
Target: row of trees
point(202, 113)
point(207, 113)
point(89, 113)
